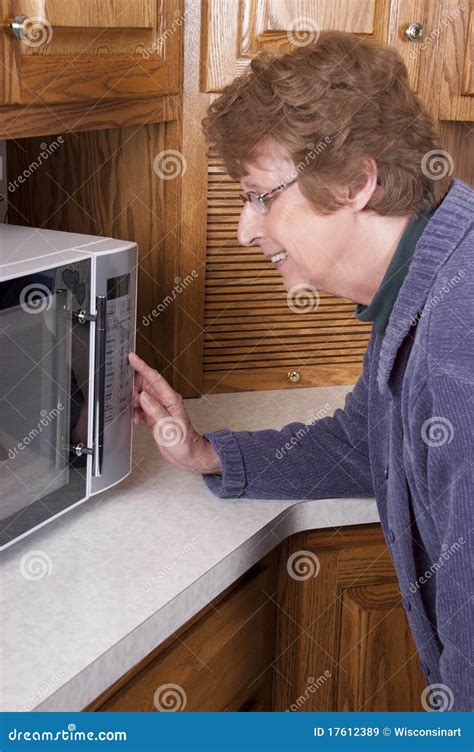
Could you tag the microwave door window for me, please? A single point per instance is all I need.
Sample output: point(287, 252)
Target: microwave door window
point(41, 403)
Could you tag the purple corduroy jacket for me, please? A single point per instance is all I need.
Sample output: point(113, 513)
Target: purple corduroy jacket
point(405, 436)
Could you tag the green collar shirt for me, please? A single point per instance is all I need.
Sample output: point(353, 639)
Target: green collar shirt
point(380, 307)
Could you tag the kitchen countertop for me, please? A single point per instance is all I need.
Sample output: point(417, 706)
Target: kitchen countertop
point(89, 595)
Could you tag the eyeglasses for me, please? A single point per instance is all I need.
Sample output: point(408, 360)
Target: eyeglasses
point(260, 200)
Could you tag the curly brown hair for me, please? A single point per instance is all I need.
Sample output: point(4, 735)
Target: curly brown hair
point(332, 104)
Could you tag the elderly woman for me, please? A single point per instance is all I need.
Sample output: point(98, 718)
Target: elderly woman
point(347, 191)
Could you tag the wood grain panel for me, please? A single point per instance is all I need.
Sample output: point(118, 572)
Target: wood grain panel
point(235, 32)
point(458, 140)
point(93, 13)
point(88, 51)
point(251, 324)
point(92, 78)
point(345, 621)
point(402, 14)
point(376, 672)
point(456, 61)
point(468, 72)
point(19, 122)
point(190, 665)
point(192, 225)
point(277, 378)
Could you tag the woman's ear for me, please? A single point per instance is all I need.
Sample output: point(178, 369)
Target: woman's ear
point(362, 189)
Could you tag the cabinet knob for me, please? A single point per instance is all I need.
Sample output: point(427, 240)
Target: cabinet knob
point(414, 31)
point(294, 376)
point(31, 30)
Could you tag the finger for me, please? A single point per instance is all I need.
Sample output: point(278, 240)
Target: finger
point(136, 397)
point(137, 415)
point(153, 410)
point(138, 384)
point(163, 391)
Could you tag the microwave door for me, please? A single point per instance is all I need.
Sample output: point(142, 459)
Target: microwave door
point(43, 401)
point(32, 414)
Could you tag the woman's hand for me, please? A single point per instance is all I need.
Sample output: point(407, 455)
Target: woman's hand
point(156, 402)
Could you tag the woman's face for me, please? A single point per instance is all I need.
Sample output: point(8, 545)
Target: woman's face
point(314, 243)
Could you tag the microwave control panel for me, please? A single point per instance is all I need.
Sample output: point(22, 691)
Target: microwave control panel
point(112, 426)
point(119, 341)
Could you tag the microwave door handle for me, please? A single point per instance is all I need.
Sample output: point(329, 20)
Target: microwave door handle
point(99, 384)
point(61, 363)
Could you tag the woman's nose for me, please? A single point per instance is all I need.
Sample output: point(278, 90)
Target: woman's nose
point(249, 230)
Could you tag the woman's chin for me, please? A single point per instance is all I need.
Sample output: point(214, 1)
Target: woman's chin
point(297, 282)
point(294, 278)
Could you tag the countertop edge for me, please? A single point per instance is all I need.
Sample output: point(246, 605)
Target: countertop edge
point(103, 672)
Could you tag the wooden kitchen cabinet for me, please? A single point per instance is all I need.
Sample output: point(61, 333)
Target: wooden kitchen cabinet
point(221, 660)
point(84, 64)
point(343, 640)
point(236, 329)
point(317, 625)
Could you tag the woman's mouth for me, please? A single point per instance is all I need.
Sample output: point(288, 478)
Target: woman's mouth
point(279, 258)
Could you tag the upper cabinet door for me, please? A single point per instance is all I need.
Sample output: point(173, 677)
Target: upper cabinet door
point(235, 31)
point(456, 56)
point(87, 50)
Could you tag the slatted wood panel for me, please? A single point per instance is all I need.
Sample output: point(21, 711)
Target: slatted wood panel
point(253, 338)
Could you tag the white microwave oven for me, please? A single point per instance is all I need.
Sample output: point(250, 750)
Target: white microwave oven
point(67, 323)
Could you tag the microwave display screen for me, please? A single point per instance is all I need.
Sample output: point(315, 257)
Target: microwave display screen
point(117, 287)
point(118, 375)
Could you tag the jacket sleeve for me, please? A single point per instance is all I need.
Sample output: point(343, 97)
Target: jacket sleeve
point(449, 435)
point(325, 459)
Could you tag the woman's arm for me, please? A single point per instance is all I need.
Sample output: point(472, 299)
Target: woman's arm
point(328, 458)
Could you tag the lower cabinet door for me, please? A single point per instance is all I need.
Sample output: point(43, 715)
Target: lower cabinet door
point(343, 637)
point(378, 664)
point(222, 661)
